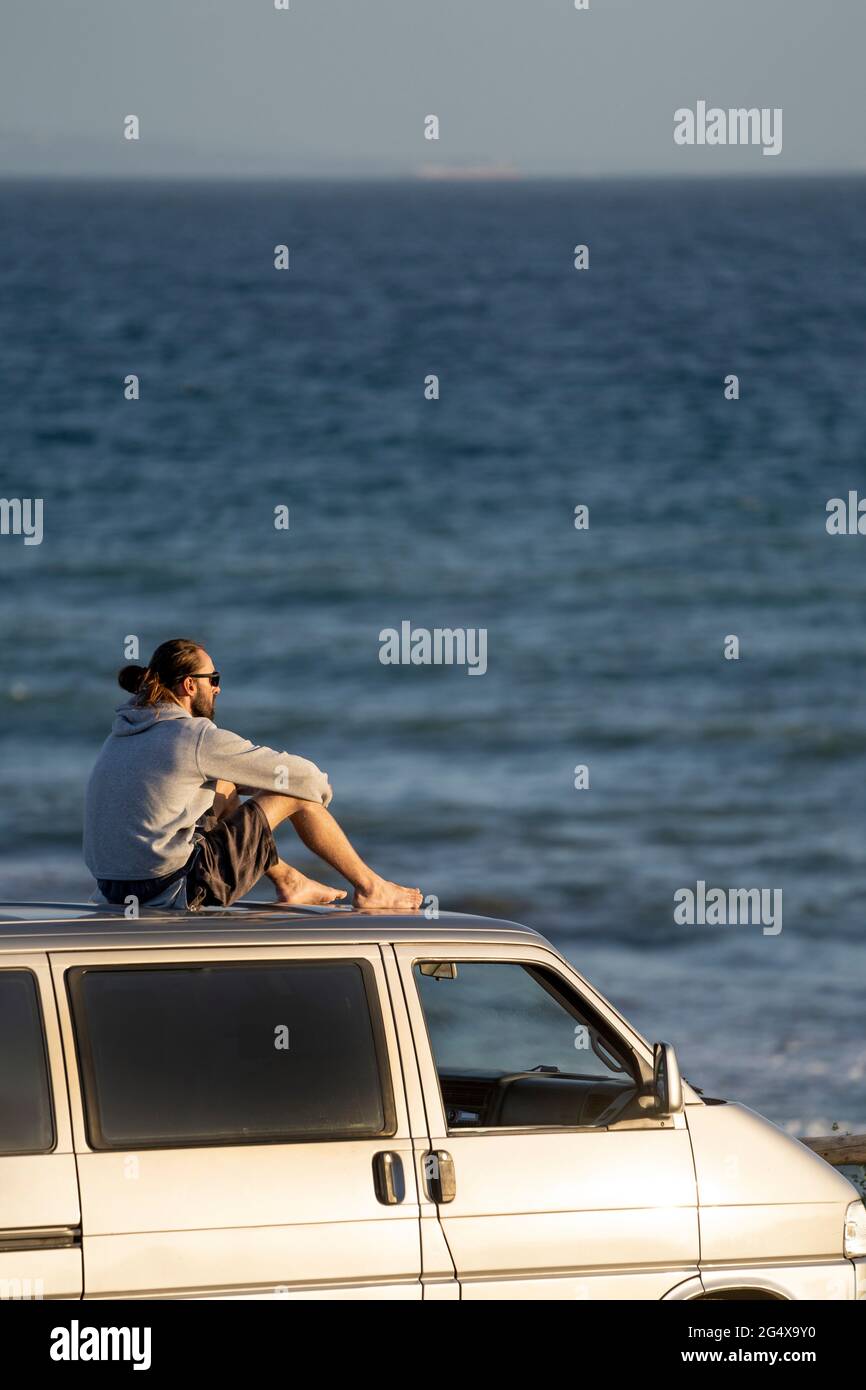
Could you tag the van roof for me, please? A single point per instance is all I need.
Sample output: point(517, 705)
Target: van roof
point(77, 926)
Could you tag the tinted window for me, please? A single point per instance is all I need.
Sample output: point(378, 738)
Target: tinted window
point(229, 1054)
point(25, 1100)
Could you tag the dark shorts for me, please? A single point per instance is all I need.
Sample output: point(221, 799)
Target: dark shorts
point(229, 857)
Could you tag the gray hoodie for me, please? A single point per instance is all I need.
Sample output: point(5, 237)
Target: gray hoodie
point(156, 775)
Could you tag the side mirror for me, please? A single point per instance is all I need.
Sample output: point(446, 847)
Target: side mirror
point(667, 1082)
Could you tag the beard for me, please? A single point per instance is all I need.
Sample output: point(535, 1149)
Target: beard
point(203, 704)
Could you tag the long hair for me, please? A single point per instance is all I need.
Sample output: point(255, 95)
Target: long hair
point(171, 662)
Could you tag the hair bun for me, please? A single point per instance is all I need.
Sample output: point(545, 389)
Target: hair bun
point(130, 678)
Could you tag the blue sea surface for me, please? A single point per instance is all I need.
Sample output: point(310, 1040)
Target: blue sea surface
point(604, 387)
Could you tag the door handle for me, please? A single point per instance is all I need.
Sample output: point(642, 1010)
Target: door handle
point(440, 1175)
point(388, 1178)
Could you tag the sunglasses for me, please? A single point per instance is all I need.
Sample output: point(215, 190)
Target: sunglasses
point(212, 676)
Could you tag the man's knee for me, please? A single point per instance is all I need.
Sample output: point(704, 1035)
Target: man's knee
point(225, 799)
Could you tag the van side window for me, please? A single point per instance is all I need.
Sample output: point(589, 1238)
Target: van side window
point(515, 1048)
point(230, 1054)
point(26, 1121)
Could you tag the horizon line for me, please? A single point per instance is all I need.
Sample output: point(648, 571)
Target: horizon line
point(424, 180)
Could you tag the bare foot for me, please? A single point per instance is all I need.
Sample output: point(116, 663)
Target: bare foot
point(383, 896)
point(294, 887)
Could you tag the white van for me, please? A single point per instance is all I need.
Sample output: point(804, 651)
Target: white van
point(266, 1102)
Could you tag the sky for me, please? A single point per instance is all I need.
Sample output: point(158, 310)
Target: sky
point(337, 88)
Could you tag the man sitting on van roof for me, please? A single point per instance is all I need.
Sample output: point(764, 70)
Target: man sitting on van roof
point(164, 822)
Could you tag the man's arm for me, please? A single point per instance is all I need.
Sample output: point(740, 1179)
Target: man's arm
point(226, 757)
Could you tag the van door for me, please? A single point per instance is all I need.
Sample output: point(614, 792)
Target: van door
point(240, 1124)
point(40, 1236)
point(553, 1179)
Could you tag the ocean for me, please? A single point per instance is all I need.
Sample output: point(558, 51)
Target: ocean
point(558, 388)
